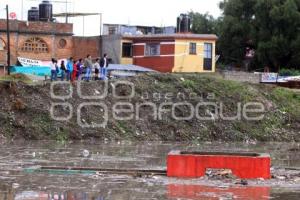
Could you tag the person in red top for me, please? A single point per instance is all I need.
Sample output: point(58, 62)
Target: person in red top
point(75, 71)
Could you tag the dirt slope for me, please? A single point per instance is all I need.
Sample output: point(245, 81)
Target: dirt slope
point(25, 111)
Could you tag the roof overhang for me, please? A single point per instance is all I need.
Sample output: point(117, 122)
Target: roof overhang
point(75, 14)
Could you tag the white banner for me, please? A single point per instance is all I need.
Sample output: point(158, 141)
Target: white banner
point(269, 77)
point(27, 62)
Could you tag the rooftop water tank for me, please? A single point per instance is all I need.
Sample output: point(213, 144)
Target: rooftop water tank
point(33, 14)
point(45, 11)
point(183, 24)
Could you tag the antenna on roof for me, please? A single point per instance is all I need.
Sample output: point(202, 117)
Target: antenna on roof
point(128, 21)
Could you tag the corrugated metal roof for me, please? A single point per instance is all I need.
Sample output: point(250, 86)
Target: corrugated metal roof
point(74, 14)
point(134, 68)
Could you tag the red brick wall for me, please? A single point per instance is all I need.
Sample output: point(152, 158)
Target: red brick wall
point(54, 49)
point(50, 32)
point(158, 63)
point(161, 64)
point(1, 71)
point(2, 57)
point(86, 45)
point(42, 27)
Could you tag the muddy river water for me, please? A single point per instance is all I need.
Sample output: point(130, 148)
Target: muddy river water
point(18, 183)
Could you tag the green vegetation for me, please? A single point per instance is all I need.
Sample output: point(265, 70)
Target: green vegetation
point(62, 135)
point(24, 112)
point(189, 84)
point(203, 23)
point(16, 78)
point(287, 100)
point(289, 72)
point(270, 27)
point(220, 87)
point(125, 131)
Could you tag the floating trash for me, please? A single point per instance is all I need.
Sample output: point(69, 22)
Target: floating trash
point(85, 153)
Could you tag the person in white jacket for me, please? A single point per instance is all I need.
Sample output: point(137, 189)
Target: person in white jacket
point(97, 69)
point(53, 67)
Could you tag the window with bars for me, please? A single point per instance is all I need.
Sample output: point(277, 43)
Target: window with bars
point(193, 48)
point(208, 50)
point(36, 45)
point(152, 50)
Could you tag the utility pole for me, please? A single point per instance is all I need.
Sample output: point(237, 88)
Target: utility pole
point(22, 10)
point(8, 41)
point(101, 19)
point(100, 37)
point(66, 11)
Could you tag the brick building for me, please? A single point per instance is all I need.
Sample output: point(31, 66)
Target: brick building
point(36, 40)
point(164, 52)
point(86, 45)
point(175, 52)
point(44, 40)
point(181, 52)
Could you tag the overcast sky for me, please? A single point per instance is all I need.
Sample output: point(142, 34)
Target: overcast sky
point(133, 12)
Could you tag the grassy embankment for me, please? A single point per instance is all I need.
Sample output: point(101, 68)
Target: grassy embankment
point(24, 112)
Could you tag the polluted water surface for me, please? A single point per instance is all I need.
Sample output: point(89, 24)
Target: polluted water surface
point(21, 178)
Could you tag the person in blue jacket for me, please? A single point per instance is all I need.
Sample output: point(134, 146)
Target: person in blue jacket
point(69, 69)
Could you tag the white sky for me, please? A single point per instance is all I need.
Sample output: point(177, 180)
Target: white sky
point(133, 12)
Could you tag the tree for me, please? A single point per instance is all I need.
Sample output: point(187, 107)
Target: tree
point(236, 30)
point(203, 23)
point(271, 27)
point(278, 33)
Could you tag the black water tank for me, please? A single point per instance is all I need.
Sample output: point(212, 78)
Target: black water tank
point(33, 14)
point(45, 11)
point(183, 24)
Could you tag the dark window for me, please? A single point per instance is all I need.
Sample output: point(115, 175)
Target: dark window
point(152, 50)
point(208, 47)
point(193, 48)
point(127, 50)
point(112, 30)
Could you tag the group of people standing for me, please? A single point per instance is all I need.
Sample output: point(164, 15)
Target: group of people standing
point(83, 69)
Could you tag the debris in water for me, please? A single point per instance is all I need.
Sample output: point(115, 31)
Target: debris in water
point(280, 177)
point(242, 182)
point(297, 179)
point(85, 153)
point(15, 185)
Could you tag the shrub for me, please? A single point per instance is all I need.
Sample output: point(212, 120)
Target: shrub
point(289, 72)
